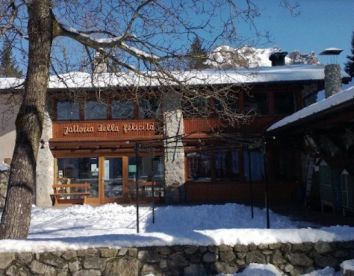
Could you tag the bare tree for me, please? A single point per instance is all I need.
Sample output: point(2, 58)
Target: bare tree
point(139, 36)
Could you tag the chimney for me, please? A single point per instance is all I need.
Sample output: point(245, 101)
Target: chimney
point(332, 72)
point(278, 58)
point(99, 63)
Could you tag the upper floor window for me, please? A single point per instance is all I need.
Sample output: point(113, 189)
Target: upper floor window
point(67, 111)
point(122, 110)
point(283, 103)
point(95, 110)
point(256, 103)
point(195, 107)
point(149, 108)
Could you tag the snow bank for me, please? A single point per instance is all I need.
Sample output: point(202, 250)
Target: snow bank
point(113, 225)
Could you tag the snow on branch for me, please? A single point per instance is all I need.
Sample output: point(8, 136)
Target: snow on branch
point(97, 43)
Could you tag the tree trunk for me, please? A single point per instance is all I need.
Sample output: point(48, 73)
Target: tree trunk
point(16, 217)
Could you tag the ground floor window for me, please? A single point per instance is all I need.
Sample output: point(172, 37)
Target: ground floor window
point(111, 178)
point(223, 165)
point(150, 173)
point(79, 170)
point(214, 165)
point(253, 165)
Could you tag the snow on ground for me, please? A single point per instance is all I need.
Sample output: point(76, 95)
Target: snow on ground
point(114, 225)
point(327, 271)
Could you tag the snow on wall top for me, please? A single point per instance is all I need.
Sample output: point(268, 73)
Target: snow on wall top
point(332, 101)
point(194, 77)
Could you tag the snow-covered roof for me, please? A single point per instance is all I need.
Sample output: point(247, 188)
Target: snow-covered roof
point(195, 77)
point(7, 83)
point(337, 99)
point(246, 56)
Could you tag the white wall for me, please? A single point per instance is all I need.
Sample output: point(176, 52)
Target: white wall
point(9, 105)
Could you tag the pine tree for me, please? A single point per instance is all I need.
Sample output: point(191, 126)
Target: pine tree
point(8, 67)
point(349, 66)
point(197, 55)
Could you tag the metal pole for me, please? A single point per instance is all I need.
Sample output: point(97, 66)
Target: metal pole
point(250, 181)
point(153, 186)
point(137, 187)
point(266, 194)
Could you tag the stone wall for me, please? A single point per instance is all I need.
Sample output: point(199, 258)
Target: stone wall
point(292, 259)
point(45, 167)
point(3, 187)
point(173, 148)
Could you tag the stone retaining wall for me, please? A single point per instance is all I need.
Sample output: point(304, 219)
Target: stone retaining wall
point(3, 188)
point(292, 259)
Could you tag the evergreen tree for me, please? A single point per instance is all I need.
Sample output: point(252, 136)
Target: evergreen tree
point(349, 66)
point(197, 55)
point(8, 67)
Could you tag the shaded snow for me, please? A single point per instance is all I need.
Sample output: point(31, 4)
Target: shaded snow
point(114, 225)
point(327, 271)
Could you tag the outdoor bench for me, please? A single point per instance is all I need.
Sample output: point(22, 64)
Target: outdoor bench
point(74, 193)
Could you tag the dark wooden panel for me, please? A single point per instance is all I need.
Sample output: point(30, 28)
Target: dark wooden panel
point(218, 192)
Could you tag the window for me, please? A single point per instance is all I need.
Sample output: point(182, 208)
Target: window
point(227, 164)
point(95, 110)
point(215, 165)
point(79, 170)
point(150, 171)
point(231, 104)
point(122, 110)
point(199, 166)
point(196, 107)
point(255, 172)
point(283, 103)
point(68, 111)
point(149, 108)
point(256, 103)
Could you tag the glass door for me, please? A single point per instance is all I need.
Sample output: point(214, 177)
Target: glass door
point(112, 178)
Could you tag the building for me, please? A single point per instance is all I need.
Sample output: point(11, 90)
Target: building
point(323, 133)
point(95, 133)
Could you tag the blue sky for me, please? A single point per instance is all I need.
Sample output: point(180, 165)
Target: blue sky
point(320, 24)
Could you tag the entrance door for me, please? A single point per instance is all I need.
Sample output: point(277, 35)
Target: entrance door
point(113, 179)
